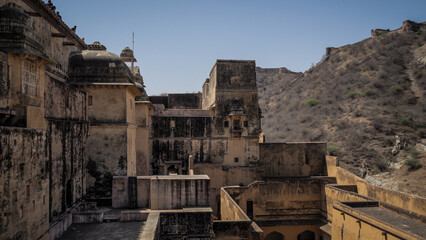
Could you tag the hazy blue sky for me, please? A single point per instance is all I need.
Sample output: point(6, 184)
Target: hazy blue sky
point(178, 41)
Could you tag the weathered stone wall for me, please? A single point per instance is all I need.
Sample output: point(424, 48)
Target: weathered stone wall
point(142, 112)
point(24, 181)
point(174, 192)
point(42, 164)
point(112, 148)
point(229, 209)
point(67, 157)
point(184, 101)
point(142, 144)
point(4, 81)
point(232, 229)
point(249, 101)
point(162, 192)
point(175, 138)
point(231, 83)
point(67, 129)
point(197, 224)
point(293, 159)
point(107, 157)
point(164, 100)
point(220, 177)
point(232, 73)
point(50, 163)
point(164, 127)
point(143, 151)
point(113, 98)
point(209, 90)
point(285, 199)
point(63, 101)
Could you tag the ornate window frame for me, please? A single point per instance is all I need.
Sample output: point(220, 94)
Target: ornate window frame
point(30, 77)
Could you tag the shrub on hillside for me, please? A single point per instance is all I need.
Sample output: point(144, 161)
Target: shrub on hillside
point(368, 92)
point(410, 122)
point(351, 94)
point(311, 102)
point(332, 150)
point(414, 153)
point(413, 163)
point(396, 89)
point(405, 121)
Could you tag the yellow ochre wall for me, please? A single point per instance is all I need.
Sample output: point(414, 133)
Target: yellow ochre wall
point(346, 225)
point(403, 200)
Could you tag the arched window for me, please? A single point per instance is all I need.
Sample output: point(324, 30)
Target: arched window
point(306, 235)
point(274, 236)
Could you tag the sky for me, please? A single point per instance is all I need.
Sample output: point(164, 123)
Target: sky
point(177, 42)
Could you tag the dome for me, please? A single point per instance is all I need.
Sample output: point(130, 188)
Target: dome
point(127, 55)
point(96, 65)
point(127, 52)
point(96, 46)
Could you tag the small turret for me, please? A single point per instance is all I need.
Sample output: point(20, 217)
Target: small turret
point(127, 56)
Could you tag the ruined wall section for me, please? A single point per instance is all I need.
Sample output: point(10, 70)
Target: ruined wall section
point(24, 181)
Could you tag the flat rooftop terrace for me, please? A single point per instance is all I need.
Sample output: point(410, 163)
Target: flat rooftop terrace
point(391, 218)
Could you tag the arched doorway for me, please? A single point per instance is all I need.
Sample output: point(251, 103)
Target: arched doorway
point(274, 236)
point(306, 235)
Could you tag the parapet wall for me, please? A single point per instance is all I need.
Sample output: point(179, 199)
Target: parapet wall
point(161, 192)
point(234, 223)
point(229, 209)
point(289, 199)
point(178, 100)
point(174, 192)
point(402, 200)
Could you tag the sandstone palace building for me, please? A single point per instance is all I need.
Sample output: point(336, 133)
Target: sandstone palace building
point(81, 142)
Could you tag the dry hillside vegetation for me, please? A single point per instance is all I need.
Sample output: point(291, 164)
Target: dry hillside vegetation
point(358, 99)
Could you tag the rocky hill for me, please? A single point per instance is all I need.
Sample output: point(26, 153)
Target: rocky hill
point(367, 100)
